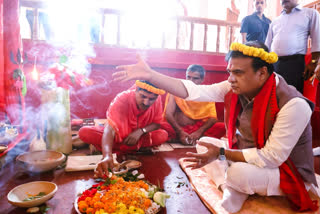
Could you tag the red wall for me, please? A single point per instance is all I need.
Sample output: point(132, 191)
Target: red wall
point(93, 101)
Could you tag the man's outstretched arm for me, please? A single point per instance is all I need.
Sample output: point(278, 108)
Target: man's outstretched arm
point(106, 144)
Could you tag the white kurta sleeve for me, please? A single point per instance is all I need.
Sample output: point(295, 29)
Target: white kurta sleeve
point(207, 93)
point(284, 135)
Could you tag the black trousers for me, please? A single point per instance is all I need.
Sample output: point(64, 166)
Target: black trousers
point(291, 69)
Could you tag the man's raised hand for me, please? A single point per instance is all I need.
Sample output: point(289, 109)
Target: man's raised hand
point(138, 71)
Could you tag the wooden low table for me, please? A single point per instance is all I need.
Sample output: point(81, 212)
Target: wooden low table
point(161, 168)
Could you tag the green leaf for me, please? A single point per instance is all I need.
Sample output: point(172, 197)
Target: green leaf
point(160, 198)
point(39, 195)
point(63, 59)
point(44, 209)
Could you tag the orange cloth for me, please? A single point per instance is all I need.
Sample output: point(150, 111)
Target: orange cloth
point(93, 135)
point(195, 110)
point(124, 117)
point(200, 111)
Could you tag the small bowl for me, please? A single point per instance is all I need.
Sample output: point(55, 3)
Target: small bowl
point(41, 161)
point(23, 191)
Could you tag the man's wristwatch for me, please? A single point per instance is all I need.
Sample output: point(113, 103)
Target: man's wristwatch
point(222, 155)
point(144, 130)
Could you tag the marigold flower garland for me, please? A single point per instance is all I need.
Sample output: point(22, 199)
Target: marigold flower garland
point(115, 195)
point(255, 52)
point(150, 88)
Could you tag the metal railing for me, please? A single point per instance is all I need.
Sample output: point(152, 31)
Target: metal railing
point(222, 33)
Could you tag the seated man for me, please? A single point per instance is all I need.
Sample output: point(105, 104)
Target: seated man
point(189, 120)
point(269, 150)
point(133, 121)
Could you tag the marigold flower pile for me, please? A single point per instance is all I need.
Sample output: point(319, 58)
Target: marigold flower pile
point(119, 196)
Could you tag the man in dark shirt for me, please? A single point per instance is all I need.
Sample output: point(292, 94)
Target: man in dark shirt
point(255, 26)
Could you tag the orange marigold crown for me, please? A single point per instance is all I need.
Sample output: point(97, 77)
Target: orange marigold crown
point(255, 52)
point(150, 88)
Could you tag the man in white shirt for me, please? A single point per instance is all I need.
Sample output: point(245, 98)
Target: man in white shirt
point(288, 37)
point(265, 142)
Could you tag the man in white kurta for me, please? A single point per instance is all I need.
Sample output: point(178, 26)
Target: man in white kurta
point(255, 166)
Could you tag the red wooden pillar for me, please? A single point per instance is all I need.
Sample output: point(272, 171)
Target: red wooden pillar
point(12, 58)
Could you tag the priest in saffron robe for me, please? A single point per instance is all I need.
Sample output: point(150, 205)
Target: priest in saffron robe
point(269, 150)
point(133, 122)
point(187, 121)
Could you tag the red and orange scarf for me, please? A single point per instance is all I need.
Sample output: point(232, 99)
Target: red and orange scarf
point(265, 109)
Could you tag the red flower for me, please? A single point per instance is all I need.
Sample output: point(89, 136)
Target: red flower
point(88, 193)
point(66, 78)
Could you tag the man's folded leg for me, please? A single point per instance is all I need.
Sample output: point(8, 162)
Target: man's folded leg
point(244, 179)
point(92, 135)
point(233, 200)
point(158, 137)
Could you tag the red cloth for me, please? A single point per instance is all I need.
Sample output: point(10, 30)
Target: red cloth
point(310, 88)
point(265, 109)
point(124, 117)
point(93, 135)
point(13, 99)
point(218, 130)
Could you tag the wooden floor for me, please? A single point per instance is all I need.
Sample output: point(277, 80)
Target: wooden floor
point(162, 168)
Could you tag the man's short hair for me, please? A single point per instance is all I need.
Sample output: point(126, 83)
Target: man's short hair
point(197, 68)
point(256, 62)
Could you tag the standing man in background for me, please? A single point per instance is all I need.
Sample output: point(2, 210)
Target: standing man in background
point(255, 26)
point(288, 37)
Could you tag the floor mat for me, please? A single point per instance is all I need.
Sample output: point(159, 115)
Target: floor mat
point(211, 196)
point(165, 147)
point(82, 163)
point(181, 146)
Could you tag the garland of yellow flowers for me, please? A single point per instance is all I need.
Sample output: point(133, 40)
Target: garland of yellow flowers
point(149, 88)
point(255, 52)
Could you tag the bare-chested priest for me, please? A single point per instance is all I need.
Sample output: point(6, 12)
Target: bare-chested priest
point(187, 121)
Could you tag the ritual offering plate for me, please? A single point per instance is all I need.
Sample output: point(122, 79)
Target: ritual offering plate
point(121, 194)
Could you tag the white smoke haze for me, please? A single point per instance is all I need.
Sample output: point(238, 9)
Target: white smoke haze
point(70, 22)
